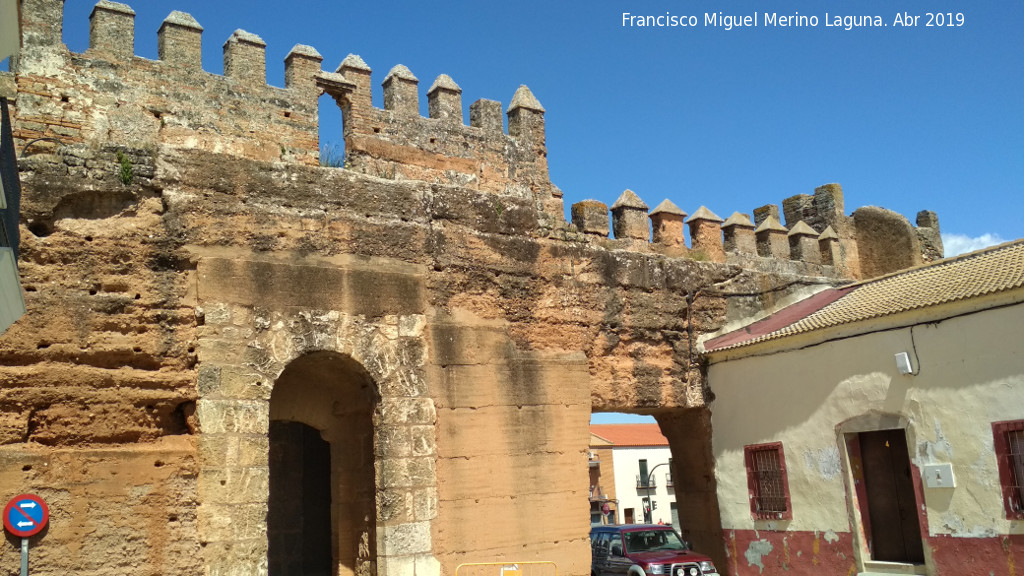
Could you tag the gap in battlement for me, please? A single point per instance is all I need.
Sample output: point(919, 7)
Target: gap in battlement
point(332, 133)
point(75, 30)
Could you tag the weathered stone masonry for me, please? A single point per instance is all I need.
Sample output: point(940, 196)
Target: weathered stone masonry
point(193, 277)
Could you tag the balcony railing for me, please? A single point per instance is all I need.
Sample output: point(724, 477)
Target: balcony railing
point(642, 482)
point(668, 480)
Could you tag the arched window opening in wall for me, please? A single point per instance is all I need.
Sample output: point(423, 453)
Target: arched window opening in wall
point(332, 133)
point(321, 511)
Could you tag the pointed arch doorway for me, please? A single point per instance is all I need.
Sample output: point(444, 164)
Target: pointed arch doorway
point(321, 517)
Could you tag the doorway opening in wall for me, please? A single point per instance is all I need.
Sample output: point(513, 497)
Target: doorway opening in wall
point(299, 510)
point(888, 502)
point(630, 471)
point(332, 133)
point(322, 501)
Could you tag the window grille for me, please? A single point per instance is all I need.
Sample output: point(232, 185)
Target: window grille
point(1009, 445)
point(767, 482)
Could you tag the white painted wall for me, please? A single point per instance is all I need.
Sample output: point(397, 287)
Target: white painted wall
point(12, 302)
point(971, 375)
point(626, 464)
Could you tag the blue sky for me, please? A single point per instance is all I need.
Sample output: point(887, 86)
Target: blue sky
point(907, 118)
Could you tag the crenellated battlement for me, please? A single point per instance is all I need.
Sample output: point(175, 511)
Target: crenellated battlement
point(397, 141)
point(108, 95)
point(818, 238)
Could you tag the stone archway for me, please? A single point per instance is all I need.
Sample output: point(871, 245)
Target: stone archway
point(321, 423)
point(261, 364)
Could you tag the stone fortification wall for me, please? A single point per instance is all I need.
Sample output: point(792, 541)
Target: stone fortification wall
point(108, 94)
point(818, 239)
point(169, 307)
point(397, 142)
point(192, 276)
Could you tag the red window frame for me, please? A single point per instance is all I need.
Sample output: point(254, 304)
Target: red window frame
point(767, 481)
point(1008, 438)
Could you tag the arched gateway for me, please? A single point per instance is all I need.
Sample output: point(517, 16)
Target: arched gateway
point(321, 517)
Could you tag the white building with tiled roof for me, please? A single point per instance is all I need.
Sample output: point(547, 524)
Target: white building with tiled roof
point(639, 464)
point(878, 428)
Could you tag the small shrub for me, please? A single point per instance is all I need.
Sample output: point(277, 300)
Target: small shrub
point(127, 172)
point(332, 155)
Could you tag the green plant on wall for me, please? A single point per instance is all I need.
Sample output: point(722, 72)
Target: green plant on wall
point(332, 156)
point(126, 172)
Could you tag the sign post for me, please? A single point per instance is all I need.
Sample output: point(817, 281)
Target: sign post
point(25, 515)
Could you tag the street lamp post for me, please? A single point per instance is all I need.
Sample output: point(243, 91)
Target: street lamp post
point(649, 513)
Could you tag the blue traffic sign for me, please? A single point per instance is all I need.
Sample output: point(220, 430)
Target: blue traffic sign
point(26, 515)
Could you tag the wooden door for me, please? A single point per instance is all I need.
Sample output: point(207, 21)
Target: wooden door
point(630, 518)
point(892, 504)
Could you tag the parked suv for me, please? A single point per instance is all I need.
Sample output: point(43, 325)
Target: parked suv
point(642, 549)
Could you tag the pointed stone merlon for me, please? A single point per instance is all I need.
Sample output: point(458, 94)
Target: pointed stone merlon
point(590, 216)
point(245, 58)
point(667, 221)
point(803, 243)
point(738, 233)
point(629, 217)
point(828, 247)
point(180, 41)
point(706, 234)
point(486, 114)
point(444, 99)
point(526, 117)
point(112, 29)
point(358, 73)
point(401, 93)
point(772, 238)
point(301, 66)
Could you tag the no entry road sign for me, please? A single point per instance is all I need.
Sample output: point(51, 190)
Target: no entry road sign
point(26, 515)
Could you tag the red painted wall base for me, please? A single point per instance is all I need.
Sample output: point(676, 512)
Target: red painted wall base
point(763, 553)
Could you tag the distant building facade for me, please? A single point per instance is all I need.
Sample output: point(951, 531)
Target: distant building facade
point(878, 428)
point(639, 460)
point(603, 503)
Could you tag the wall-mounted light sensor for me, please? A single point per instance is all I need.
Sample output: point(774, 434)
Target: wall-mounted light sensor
point(903, 363)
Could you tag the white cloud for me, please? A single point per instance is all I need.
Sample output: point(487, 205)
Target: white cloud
point(955, 244)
